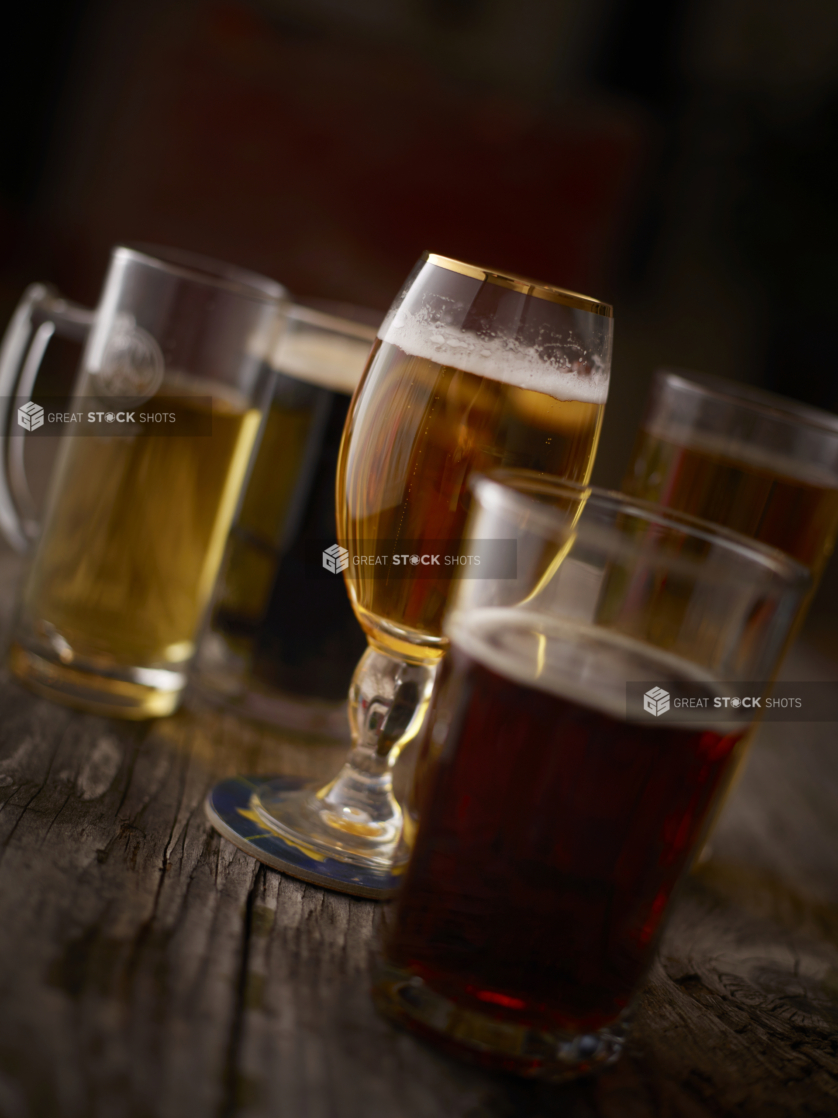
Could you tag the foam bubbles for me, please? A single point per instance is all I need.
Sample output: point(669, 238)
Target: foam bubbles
point(552, 369)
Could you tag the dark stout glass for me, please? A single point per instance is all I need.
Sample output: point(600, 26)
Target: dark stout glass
point(282, 646)
point(299, 636)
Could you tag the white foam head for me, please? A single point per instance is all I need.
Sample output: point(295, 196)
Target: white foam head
point(583, 664)
point(334, 361)
point(562, 375)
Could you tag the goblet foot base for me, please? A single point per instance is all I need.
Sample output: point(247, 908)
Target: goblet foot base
point(557, 1056)
point(354, 825)
point(111, 692)
point(234, 809)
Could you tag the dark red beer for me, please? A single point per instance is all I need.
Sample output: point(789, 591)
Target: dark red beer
point(553, 831)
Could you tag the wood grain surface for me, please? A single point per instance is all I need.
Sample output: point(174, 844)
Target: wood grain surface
point(148, 968)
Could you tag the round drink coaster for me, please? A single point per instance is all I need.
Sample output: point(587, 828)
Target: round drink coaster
point(229, 807)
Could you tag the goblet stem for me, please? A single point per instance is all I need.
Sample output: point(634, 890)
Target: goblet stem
point(388, 701)
point(356, 817)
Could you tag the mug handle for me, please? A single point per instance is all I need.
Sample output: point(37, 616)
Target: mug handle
point(40, 313)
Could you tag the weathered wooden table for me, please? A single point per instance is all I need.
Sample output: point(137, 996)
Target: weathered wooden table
point(148, 968)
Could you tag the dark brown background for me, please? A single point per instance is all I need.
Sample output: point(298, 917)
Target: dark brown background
point(674, 157)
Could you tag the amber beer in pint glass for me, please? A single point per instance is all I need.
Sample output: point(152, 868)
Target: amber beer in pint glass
point(585, 899)
point(757, 463)
point(559, 815)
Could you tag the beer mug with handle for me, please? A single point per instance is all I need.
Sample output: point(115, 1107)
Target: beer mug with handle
point(164, 416)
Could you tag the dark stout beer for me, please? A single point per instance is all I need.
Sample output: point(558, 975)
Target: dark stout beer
point(276, 634)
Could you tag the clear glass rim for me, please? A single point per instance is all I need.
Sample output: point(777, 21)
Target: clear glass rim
point(747, 396)
point(508, 488)
point(205, 270)
point(523, 284)
point(334, 323)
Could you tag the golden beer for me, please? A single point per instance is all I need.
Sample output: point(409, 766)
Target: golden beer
point(134, 535)
point(471, 369)
point(416, 433)
point(768, 496)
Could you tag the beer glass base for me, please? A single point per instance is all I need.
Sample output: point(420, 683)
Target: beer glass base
point(350, 832)
point(232, 807)
point(86, 686)
point(354, 823)
point(342, 832)
point(493, 1043)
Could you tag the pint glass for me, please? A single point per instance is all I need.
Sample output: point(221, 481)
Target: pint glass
point(559, 814)
point(138, 512)
point(755, 462)
point(280, 646)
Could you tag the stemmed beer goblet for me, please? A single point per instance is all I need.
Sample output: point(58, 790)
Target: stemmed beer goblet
point(472, 369)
